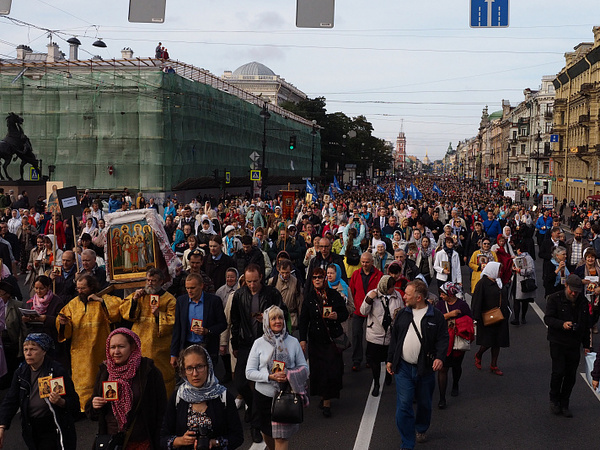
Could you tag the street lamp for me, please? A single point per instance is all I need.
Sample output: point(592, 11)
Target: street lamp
point(264, 113)
point(312, 156)
point(538, 139)
point(508, 150)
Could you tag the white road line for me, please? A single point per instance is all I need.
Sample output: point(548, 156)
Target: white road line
point(367, 423)
point(256, 446)
point(588, 385)
point(539, 312)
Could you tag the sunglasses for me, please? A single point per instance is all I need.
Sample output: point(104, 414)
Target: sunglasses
point(318, 277)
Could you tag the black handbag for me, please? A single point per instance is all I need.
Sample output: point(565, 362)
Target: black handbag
point(528, 285)
point(108, 442)
point(287, 407)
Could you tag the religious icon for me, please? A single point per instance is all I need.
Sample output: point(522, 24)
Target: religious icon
point(132, 249)
point(109, 393)
point(57, 271)
point(327, 310)
point(44, 386)
point(58, 385)
point(154, 299)
point(278, 366)
point(196, 323)
point(482, 260)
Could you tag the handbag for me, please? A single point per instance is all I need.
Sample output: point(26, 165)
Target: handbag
point(342, 342)
point(107, 442)
point(287, 407)
point(461, 344)
point(492, 316)
point(528, 285)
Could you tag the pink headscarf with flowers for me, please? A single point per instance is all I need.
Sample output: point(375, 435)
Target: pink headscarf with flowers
point(123, 375)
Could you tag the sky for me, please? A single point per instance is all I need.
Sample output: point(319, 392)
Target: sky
point(410, 65)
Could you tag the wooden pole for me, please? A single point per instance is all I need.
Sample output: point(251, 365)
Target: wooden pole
point(75, 242)
point(53, 249)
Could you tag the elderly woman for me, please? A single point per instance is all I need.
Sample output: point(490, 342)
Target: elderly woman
point(379, 306)
point(479, 260)
point(200, 408)
point(555, 280)
point(46, 422)
point(524, 269)
point(276, 360)
point(452, 308)
point(589, 272)
point(132, 420)
point(321, 318)
point(486, 296)
point(424, 259)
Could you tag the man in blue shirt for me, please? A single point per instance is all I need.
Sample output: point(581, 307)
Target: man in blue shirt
point(492, 227)
point(199, 319)
point(543, 225)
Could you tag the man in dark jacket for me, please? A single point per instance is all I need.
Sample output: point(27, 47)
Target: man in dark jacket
point(216, 262)
point(417, 349)
point(199, 319)
point(248, 304)
point(249, 254)
point(569, 322)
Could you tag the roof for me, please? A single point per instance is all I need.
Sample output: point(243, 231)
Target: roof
point(253, 68)
point(496, 115)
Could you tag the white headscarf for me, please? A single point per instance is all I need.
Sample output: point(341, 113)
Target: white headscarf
point(210, 225)
point(492, 271)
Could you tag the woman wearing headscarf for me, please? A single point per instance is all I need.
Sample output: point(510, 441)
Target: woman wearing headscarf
point(46, 422)
point(325, 358)
point(424, 259)
point(486, 296)
point(264, 367)
point(379, 306)
point(90, 228)
point(179, 243)
point(170, 227)
point(205, 232)
point(14, 222)
point(200, 407)
point(479, 260)
point(61, 239)
point(134, 418)
point(447, 263)
point(555, 279)
point(453, 308)
point(524, 269)
point(46, 258)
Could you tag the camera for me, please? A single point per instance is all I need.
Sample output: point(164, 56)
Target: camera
point(202, 439)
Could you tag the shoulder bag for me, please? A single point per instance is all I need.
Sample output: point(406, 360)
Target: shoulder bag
point(460, 343)
point(430, 356)
point(342, 342)
point(528, 285)
point(493, 316)
point(287, 407)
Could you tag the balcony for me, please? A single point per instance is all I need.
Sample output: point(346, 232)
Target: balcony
point(548, 115)
point(582, 149)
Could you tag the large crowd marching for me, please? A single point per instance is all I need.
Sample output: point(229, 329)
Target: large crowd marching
point(272, 303)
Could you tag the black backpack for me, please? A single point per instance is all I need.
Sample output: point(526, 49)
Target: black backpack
point(353, 257)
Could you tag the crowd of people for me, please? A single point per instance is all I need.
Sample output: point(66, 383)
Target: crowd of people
point(273, 302)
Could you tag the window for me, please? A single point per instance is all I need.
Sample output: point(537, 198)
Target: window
point(514, 134)
point(514, 151)
point(522, 149)
point(546, 168)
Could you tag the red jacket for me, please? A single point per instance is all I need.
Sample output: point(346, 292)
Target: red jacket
point(356, 287)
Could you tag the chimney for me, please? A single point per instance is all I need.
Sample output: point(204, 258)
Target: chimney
point(23, 51)
point(596, 31)
point(53, 53)
point(127, 53)
point(74, 44)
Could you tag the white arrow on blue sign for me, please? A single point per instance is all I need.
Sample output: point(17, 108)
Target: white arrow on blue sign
point(554, 138)
point(489, 13)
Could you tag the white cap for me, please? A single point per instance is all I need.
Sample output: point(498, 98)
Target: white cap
point(229, 228)
point(341, 229)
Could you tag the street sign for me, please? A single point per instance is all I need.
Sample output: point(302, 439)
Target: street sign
point(254, 156)
point(255, 175)
point(489, 13)
point(554, 138)
point(34, 175)
point(548, 201)
point(227, 177)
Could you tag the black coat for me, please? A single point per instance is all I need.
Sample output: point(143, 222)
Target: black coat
point(560, 310)
point(18, 397)
point(311, 323)
point(216, 269)
point(243, 259)
point(223, 415)
point(242, 332)
point(318, 261)
point(149, 385)
point(487, 295)
point(214, 320)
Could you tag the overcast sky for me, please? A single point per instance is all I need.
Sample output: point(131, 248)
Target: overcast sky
point(395, 61)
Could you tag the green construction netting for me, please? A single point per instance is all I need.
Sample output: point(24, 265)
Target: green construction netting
point(155, 129)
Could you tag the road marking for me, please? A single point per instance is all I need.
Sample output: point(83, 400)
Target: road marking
point(588, 385)
point(539, 312)
point(260, 446)
point(367, 423)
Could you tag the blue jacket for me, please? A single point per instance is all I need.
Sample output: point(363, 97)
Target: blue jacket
point(114, 205)
point(541, 223)
point(492, 228)
point(214, 320)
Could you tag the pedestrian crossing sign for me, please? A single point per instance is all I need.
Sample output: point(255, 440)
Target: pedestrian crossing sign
point(227, 177)
point(34, 175)
point(255, 175)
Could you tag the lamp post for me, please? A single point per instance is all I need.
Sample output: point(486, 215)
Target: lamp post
point(538, 139)
point(312, 156)
point(508, 150)
point(264, 113)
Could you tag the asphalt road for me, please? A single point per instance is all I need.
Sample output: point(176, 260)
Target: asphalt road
point(508, 412)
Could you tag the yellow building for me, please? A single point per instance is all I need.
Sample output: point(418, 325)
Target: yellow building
point(576, 121)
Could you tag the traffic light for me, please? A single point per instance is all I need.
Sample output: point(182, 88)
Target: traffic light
point(292, 142)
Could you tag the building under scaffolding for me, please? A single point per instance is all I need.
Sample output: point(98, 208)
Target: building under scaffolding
point(146, 124)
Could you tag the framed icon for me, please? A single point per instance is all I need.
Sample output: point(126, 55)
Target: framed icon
point(58, 385)
point(109, 391)
point(44, 386)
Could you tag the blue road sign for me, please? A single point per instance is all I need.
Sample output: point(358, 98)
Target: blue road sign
point(489, 13)
point(255, 175)
point(554, 138)
point(34, 175)
point(227, 177)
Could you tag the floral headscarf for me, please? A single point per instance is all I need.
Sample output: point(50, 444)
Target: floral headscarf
point(210, 390)
point(280, 351)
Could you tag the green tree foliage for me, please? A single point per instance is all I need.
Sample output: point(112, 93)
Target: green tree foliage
point(339, 144)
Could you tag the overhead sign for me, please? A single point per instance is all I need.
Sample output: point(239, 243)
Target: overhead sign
point(548, 201)
point(227, 177)
point(255, 175)
point(554, 138)
point(489, 13)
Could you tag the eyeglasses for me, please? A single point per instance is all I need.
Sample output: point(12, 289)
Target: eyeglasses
point(200, 368)
point(318, 277)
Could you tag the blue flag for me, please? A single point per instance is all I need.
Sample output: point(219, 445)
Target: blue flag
point(414, 192)
point(390, 196)
point(380, 190)
point(331, 193)
point(310, 189)
point(336, 185)
point(398, 193)
point(436, 189)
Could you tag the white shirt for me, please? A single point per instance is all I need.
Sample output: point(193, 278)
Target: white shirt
point(412, 345)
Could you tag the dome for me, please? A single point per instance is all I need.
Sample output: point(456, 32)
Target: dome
point(496, 115)
point(253, 68)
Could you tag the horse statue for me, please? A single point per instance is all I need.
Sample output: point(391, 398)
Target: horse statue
point(15, 145)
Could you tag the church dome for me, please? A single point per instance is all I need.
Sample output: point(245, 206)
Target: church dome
point(254, 69)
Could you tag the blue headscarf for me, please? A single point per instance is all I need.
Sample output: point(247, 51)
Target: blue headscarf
point(210, 390)
point(179, 238)
point(42, 339)
point(338, 280)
